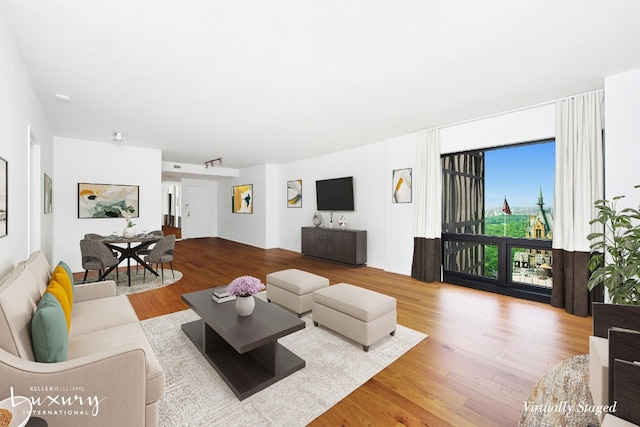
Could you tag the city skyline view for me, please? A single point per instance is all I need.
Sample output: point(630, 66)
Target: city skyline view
point(518, 173)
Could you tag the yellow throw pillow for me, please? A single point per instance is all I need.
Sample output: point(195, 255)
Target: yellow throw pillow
point(61, 275)
point(57, 290)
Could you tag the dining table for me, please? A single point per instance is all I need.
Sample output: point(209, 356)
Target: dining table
point(128, 249)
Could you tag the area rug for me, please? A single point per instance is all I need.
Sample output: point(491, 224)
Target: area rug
point(196, 396)
point(137, 284)
point(562, 397)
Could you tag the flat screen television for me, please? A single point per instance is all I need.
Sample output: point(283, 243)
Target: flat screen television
point(335, 194)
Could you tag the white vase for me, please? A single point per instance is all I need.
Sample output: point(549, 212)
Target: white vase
point(245, 305)
point(129, 232)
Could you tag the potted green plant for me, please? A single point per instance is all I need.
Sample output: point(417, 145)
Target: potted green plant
point(615, 259)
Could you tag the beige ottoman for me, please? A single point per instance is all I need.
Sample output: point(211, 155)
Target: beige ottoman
point(363, 315)
point(293, 289)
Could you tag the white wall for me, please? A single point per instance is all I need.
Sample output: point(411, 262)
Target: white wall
point(400, 154)
point(100, 163)
point(390, 225)
point(521, 126)
point(368, 167)
point(622, 137)
point(245, 228)
point(20, 110)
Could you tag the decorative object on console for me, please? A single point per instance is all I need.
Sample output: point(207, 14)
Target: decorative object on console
point(401, 185)
point(244, 288)
point(4, 205)
point(342, 222)
point(107, 200)
point(242, 199)
point(317, 219)
point(294, 193)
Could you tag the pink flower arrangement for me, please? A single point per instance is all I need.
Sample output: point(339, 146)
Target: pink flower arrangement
point(245, 286)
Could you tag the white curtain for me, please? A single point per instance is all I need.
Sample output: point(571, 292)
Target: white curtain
point(579, 182)
point(428, 185)
point(579, 179)
point(427, 249)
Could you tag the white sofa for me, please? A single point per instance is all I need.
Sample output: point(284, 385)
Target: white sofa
point(111, 375)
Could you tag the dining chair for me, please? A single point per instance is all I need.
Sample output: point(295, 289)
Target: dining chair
point(96, 256)
point(147, 251)
point(161, 253)
point(94, 236)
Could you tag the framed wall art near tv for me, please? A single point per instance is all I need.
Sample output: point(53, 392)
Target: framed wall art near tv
point(48, 194)
point(4, 201)
point(401, 185)
point(108, 200)
point(294, 193)
point(242, 199)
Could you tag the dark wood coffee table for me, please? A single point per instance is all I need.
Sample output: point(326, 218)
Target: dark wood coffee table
point(243, 350)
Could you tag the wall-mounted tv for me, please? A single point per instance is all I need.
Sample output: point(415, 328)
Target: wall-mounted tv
point(335, 194)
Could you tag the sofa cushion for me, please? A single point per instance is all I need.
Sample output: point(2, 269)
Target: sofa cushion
point(37, 263)
point(18, 303)
point(59, 293)
point(49, 331)
point(110, 338)
point(93, 315)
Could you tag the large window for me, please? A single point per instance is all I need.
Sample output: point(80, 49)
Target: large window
point(498, 219)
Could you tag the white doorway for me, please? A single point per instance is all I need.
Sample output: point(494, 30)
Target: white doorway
point(197, 211)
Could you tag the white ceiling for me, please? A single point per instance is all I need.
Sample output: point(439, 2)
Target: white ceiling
point(259, 81)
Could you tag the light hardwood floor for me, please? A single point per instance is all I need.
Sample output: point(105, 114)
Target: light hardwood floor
point(483, 355)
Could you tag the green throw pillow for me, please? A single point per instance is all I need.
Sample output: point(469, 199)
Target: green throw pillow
point(49, 334)
point(68, 270)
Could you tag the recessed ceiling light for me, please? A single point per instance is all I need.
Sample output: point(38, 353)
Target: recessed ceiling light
point(63, 98)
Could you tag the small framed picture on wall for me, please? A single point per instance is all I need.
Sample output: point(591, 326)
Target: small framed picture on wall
point(242, 199)
point(401, 186)
point(294, 193)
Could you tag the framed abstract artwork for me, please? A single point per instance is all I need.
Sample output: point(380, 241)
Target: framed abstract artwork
point(4, 201)
point(242, 199)
point(401, 185)
point(108, 200)
point(294, 193)
point(48, 194)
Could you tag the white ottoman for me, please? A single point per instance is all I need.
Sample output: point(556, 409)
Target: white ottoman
point(293, 289)
point(363, 315)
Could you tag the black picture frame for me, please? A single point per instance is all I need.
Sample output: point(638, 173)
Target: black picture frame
point(108, 200)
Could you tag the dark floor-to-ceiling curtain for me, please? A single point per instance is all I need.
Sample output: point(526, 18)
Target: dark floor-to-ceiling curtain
point(578, 184)
point(427, 247)
point(570, 276)
point(427, 259)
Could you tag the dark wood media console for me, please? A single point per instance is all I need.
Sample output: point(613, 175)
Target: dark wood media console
point(334, 244)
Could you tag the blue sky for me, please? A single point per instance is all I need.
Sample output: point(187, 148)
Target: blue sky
point(518, 173)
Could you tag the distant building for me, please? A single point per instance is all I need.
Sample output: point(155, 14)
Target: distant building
point(540, 225)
